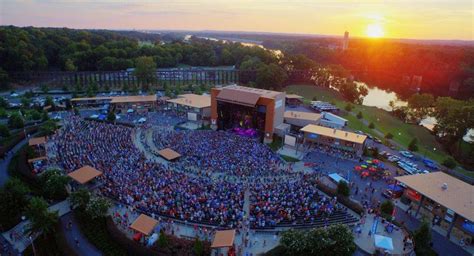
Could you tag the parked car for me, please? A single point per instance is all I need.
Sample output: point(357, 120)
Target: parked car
point(406, 154)
point(430, 164)
point(390, 194)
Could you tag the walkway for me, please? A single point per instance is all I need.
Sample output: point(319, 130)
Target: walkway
point(84, 247)
point(6, 161)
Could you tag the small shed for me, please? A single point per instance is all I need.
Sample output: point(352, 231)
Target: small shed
point(144, 224)
point(169, 154)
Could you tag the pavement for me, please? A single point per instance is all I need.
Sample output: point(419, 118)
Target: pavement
point(73, 233)
point(6, 161)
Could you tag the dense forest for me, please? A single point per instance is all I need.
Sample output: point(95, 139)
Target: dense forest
point(27, 49)
point(393, 65)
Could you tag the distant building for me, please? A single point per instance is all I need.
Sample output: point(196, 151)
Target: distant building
point(345, 43)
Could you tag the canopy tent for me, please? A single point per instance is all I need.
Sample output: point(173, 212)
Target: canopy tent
point(37, 141)
point(84, 174)
point(395, 188)
point(337, 178)
point(142, 120)
point(223, 238)
point(130, 110)
point(169, 154)
point(383, 242)
point(144, 224)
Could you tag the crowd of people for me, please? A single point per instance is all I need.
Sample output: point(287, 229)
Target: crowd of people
point(171, 191)
point(296, 202)
point(221, 152)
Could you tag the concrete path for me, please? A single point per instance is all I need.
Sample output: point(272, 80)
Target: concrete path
point(6, 161)
point(73, 233)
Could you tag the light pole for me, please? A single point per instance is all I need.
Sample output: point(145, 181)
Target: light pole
point(32, 245)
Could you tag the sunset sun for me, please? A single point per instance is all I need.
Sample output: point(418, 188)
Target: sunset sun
point(375, 30)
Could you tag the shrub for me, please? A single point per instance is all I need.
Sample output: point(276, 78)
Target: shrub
point(450, 163)
point(387, 208)
point(15, 121)
point(343, 189)
point(4, 131)
point(359, 115)
point(371, 125)
point(388, 136)
point(348, 107)
point(413, 145)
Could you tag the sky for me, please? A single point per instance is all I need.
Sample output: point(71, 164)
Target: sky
point(417, 19)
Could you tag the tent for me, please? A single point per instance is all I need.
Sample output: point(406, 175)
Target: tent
point(337, 178)
point(383, 242)
point(395, 188)
point(130, 110)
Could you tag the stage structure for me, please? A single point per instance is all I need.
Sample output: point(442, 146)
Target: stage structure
point(247, 111)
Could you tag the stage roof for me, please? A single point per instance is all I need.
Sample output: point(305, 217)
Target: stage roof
point(334, 133)
point(37, 141)
point(302, 115)
point(84, 174)
point(144, 224)
point(223, 238)
point(293, 96)
point(244, 95)
point(169, 154)
point(459, 195)
point(192, 100)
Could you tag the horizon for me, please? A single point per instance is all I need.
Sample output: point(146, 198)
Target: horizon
point(370, 19)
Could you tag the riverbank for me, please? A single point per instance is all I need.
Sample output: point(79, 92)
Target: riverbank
point(384, 122)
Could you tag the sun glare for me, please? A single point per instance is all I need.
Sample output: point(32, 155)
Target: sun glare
point(375, 30)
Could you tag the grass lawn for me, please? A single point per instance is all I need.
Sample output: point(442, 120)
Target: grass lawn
point(403, 133)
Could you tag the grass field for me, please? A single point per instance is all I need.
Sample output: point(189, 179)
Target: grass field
point(384, 122)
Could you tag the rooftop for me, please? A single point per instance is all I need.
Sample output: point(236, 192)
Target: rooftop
point(223, 238)
point(334, 133)
point(302, 115)
point(259, 92)
point(37, 141)
point(192, 100)
point(293, 96)
point(458, 195)
point(169, 154)
point(84, 174)
point(120, 99)
point(144, 224)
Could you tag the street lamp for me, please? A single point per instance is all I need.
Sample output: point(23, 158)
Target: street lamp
point(33, 245)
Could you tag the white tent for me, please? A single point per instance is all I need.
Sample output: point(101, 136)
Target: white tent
point(337, 178)
point(130, 110)
point(142, 120)
point(383, 242)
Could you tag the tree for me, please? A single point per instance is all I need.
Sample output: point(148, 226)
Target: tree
point(449, 162)
point(80, 198)
point(387, 208)
point(454, 118)
point(198, 247)
point(420, 105)
point(371, 125)
point(413, 146)
point(69, 65)
point(4, 79)
point(348, 107)
point(388, 136)
point(44, 88)
point(422, 239)
point(163, 240)
point(335, 240)
point(3, 103)
point(343, 189)
point(98, 207)
point(145, 71)
point(359, 115)
point(13, 199)
point(54, 184)
point(35, 115)
point(41, 220)
point(4, 131)
point(48, 127)
point(25, 102)
point(44, 116)
point(16, 121)
point(270, 76)
point(352, 92)
point(111, 116)
point(49, 101)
